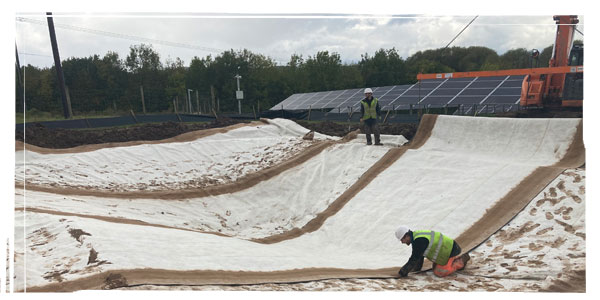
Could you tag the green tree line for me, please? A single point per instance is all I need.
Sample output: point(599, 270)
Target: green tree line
point(111, 84)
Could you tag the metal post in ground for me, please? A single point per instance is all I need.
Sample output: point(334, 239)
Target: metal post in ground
point(386, 116)
point(143, 102)
point(133, 115)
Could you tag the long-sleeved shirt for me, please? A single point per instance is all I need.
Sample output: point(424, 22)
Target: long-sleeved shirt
point(362, 108)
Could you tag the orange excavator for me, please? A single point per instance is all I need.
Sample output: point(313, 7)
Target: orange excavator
point(558, 85)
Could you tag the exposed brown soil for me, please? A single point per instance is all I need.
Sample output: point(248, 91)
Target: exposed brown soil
point(77, 233)
point(58, 138)
point(91, 146)
point(574, 283)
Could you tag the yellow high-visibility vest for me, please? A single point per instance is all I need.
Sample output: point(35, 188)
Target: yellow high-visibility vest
point(439, 248)
point(370, 111)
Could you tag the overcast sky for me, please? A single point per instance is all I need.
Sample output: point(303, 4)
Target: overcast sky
point(276, 36)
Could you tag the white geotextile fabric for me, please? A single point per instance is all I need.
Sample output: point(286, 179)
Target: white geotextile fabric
point(215, 159)
point(464, 168)
point(288, 200)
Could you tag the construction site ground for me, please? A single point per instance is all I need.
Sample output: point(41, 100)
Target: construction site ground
point(280, 205)
point(54, 138)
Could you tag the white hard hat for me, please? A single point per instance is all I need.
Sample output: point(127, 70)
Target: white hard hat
point(401, 231)
point(368, 90)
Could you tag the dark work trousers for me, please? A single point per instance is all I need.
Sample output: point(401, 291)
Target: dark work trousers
point(370, 126)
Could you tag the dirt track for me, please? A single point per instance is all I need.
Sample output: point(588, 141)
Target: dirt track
point(495, 218)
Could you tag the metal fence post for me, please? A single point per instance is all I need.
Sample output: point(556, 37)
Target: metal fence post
point(143, 103)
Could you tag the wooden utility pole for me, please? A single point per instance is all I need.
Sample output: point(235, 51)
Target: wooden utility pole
point(59, 71)
point(69, 101)
point(143, 102)
point(20, 86)
point(18, 66)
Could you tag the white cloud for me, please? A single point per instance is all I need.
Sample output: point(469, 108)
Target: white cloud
point(279, 38)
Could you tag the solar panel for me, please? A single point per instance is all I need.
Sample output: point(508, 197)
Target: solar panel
point(477, 91)
point(479, 84)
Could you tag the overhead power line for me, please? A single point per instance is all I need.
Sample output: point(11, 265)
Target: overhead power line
point(33, 54)
point(122, 36)
point(460, 32)
point(130, 37)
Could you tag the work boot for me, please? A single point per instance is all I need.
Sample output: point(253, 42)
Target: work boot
point(465, 258)
point(378, 144)
point(368, 143)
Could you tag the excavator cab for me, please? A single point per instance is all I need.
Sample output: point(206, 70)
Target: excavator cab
point(573, 91)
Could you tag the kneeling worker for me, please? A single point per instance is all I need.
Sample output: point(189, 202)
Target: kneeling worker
point(438, 248)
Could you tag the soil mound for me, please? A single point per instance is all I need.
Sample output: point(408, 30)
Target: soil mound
point(58, 138)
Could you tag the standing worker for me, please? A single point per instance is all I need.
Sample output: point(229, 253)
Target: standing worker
point(438, 248)
point(369, 113)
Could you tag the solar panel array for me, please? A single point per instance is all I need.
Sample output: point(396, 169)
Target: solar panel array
point(479, 91)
